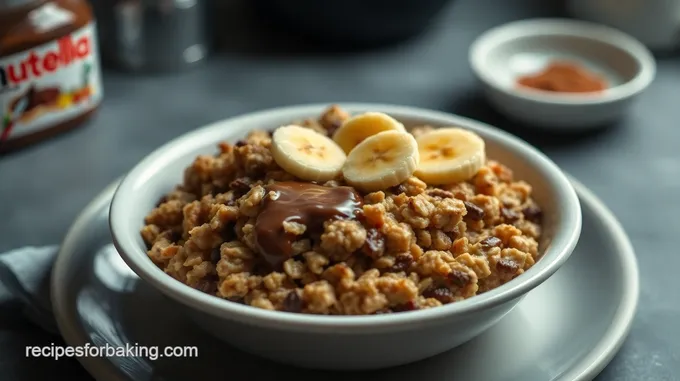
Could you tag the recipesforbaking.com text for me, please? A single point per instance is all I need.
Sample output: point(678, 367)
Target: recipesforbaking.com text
point(127, 350)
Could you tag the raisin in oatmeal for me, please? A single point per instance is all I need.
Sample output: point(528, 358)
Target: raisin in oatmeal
point(243, 228)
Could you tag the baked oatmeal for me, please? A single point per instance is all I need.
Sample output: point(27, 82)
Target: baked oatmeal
point(346, 215)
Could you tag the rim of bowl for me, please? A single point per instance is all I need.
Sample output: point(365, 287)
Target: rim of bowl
point(497, 36)
point(124, 236)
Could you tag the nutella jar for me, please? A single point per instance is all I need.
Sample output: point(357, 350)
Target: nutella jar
point(50, 78)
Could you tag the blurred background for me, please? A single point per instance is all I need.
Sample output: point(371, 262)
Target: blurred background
point(173, 66)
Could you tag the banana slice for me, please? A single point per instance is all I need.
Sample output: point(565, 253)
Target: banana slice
point(381, 161)
point(359, 127)
point(306, 153)
point(449, 155)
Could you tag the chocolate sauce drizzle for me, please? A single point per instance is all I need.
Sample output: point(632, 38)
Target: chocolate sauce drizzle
point(304, 203)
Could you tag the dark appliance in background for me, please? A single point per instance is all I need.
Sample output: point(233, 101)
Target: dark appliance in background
point(352, 23)
point(168, 35)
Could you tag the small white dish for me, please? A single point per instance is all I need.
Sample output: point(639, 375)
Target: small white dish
point(327, 341)
point(567, 329)
point(504, 53)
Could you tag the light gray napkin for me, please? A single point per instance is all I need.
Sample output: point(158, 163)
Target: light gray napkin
point(25, 273)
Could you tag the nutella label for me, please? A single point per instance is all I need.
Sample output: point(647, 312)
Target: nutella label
point(49, 84)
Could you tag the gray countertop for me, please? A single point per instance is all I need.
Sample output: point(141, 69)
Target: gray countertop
point(633, 166)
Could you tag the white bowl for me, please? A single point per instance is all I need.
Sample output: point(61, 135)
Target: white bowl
point(501, 55)
point(343, 342)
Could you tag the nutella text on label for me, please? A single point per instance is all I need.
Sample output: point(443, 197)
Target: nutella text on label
point(35, 65)
point(49, 84)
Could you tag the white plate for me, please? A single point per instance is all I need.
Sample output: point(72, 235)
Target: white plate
point(567, 329)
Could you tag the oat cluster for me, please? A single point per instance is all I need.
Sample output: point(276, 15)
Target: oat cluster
point(415, 246)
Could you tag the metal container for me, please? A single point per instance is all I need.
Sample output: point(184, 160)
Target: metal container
point(153, 35)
